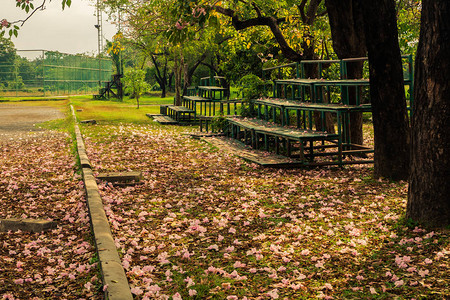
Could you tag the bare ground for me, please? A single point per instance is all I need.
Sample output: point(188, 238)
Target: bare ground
point(18, 122)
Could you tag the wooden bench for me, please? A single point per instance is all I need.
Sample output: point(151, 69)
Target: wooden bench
point(191, 103)
point(258, 133)
point(165, 120)
point(304, 113)
point(210, 107)
point(191, 91)
point(210, 92)
point(180, 113)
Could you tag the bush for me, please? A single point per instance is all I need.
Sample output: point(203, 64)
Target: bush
point(253, 87)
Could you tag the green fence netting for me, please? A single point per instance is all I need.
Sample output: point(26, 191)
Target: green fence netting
point(51, 73)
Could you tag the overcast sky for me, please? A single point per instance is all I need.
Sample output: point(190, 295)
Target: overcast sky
point(68, 31)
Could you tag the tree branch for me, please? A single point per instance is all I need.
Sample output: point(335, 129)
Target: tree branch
point(312, 11)
point(197, 63)
point(40, 7)
point(301, 8)
point(258, 11)
point(271, 22)
point(210, 66)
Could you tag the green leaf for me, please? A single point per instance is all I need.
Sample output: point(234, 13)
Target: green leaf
point(214, 22)
point(66, 3)
point(27, 9)
point(15, 32)
point(10, 33)
point(16, 27)
point(31, 6)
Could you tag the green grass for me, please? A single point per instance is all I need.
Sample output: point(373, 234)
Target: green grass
point(32, 99)
point(114, 111)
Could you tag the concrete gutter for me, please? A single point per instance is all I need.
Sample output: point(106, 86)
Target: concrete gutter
point(113, 274)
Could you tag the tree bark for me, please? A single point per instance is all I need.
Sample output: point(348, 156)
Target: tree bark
point(347, 31)
point(178, 70)
point(161, 78)
point(429, 189)
point(188, 72)
point(390, 120)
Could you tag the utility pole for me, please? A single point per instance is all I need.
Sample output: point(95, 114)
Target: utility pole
point(100, 44)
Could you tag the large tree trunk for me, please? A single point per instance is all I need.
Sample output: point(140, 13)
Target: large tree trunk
point(161, 77)
point(189, 72)
point(347, 31)
point(390, 120)
point(429, 188)
point(178, 70)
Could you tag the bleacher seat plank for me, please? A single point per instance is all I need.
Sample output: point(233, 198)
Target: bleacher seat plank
point(165, 120)
point(180, 109)
point(195, 98)
point(276, 130)
point(262, 158)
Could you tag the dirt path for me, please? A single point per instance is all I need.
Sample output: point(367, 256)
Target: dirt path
point(18, 122)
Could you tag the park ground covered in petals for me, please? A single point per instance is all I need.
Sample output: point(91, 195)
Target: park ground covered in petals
point(39, 180)
point(204, 224)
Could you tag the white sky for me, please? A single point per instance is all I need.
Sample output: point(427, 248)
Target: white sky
point(69, 31)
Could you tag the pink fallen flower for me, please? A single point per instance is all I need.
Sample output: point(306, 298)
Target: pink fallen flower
point(238, 264)
point(136, 291)
point(273, 294)
point(305, 252)
point(399, 283)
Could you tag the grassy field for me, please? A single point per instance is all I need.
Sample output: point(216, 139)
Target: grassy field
point(118, 111)
point(204, 224)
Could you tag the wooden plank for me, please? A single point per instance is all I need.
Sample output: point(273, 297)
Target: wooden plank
point(212, 88)
point(216, 77)
point(165, 120)
point(312, 106)
point(27, 225)
point(263, 158)
point(180, 109)
point(93, 122)
point(195, 98)
point(275, 130)
point(199, 135)
point(154, 115)
point(121, 177)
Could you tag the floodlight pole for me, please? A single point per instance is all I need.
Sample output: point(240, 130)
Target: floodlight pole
point(100, 34)
point(120, 50)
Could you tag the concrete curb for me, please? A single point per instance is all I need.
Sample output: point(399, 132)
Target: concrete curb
point(113, 274)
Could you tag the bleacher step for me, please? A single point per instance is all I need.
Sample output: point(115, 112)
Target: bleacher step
point(162, 119)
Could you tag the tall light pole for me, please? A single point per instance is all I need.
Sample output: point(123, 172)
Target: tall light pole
point(99, 39)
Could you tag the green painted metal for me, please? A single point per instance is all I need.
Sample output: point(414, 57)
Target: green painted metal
point(299, 86)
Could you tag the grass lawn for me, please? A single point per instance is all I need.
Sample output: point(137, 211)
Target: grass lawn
point(204, 224)
point(114, 111)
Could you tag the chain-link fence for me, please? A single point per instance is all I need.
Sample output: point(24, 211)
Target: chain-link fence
point(50, 73)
